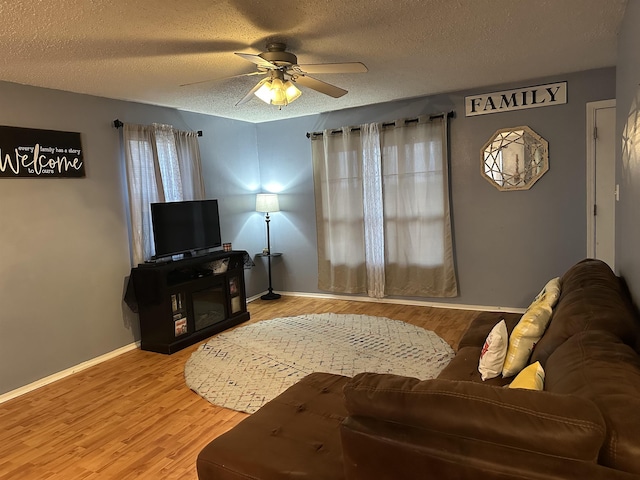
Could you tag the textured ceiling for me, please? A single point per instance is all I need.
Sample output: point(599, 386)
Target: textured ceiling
point(143, 50)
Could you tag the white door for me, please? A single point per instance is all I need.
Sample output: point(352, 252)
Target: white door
point(601, 183)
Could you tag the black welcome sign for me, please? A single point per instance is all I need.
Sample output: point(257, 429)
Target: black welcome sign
point(33, 153)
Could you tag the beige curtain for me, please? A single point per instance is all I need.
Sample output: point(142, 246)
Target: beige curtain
point(414, 240)
point(419, 251)
point(163, 165)
point(337, 174)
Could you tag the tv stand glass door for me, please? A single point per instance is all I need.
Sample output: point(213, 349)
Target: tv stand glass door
point(209, 306)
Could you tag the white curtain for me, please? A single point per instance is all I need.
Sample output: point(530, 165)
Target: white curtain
point(398, 200)
point(163, 165)
point(374, 246)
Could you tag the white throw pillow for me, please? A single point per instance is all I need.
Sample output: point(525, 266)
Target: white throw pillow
point(494, 351)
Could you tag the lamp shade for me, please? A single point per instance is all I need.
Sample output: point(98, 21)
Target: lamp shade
point(291, 91)
point(264, 92)
point(267, 202)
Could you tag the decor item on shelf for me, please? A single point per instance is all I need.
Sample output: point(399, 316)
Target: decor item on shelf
point(268, 203)
point(245, 368)
point(514, 158)
point(220, 266)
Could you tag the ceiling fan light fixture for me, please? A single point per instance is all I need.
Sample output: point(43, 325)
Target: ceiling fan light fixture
point(264, 92)
point(291, 91)
point(283, 71)
point(277, 92)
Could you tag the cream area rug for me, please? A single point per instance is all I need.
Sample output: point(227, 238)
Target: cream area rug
point(244, 368)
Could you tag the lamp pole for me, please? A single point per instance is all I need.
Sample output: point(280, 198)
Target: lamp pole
point(268, 203)
point(270, 295)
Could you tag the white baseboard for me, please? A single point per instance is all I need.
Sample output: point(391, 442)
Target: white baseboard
point(65, 373)
point(255, 297)
point(399, 301)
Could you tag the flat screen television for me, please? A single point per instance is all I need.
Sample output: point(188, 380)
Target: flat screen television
point(182, 227)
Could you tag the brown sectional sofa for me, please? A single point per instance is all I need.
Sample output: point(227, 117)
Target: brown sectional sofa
point(584, 425)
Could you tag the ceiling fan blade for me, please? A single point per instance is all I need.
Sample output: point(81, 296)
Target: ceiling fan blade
point(223, 78)
point(257, 59)
point(319, 86)
point(349, 67)
point(247, 97)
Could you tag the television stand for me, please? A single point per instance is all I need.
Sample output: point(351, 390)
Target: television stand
point(181, 302)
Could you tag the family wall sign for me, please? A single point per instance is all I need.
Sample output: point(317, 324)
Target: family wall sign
point(516, 99)
point(34, 153)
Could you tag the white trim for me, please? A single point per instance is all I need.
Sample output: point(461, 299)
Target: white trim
point(403, 301)
point(65, 373)
point(255, 297)
point(591, 170)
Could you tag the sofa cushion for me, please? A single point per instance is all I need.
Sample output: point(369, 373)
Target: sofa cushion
point(295, 435)
point(377, 450)
point(592, 298)
point(561, 425)
point(598, 366)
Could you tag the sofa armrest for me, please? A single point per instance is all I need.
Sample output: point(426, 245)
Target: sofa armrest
point(467, 423)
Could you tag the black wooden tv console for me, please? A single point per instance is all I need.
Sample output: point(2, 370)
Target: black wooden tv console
point(181, 302)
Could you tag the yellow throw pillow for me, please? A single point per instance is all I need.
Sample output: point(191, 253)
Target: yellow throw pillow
point(494, 351)
point(530, 378)
point(524, 336)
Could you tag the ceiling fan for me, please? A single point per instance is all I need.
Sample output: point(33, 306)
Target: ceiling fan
point(283, 72)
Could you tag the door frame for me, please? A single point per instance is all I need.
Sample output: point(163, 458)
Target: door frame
point(591, 170)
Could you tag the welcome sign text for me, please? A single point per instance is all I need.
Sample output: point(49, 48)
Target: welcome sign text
point(40, 153)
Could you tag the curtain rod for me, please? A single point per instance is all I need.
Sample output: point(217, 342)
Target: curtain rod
point(118, 124)
point(450, 114)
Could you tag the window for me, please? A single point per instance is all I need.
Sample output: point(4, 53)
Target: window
point(163, 165)
point(382, 209)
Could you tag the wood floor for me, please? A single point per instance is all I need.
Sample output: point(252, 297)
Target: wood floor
point(133, 416)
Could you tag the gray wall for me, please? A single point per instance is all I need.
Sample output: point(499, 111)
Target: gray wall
point(65, 250)
point(507, 244)
point(64, 253)
point(628, 173)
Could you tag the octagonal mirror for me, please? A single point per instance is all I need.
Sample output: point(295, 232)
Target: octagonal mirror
point(515, 158)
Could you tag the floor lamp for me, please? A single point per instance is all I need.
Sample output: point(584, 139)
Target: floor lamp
point(268, 203)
